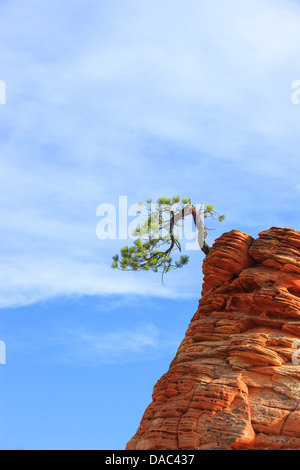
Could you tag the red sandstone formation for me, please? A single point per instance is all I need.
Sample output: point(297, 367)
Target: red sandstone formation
point(233, 383)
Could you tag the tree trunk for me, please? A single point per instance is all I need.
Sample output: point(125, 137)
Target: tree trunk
point(202, 232)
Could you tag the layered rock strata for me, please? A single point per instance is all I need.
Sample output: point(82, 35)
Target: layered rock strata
point(235, 380)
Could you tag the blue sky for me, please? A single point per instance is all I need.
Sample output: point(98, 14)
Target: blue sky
point(143, 99)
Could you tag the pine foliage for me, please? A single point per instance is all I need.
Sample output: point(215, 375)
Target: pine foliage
point(156, 238)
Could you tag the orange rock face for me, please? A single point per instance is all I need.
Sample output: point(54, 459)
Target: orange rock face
point(235, 380)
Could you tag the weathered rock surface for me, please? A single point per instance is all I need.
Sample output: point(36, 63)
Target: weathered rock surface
point(235, 380)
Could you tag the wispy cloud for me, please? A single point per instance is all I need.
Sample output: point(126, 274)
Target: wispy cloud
point(119, 346)
point(86, 346)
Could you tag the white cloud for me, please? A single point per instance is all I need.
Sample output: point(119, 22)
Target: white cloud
point(121, 345)
point(86, 346)
point(33, 279)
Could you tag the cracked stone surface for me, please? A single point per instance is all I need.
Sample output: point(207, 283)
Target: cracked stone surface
point(235, 380)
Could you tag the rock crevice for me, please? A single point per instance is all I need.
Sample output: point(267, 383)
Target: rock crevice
point(233, 383)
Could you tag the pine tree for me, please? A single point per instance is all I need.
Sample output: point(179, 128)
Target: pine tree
point(156, 238)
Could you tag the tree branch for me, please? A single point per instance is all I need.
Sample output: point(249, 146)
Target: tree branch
point(191, 210)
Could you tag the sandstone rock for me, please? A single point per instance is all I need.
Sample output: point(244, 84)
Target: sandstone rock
point(233, 383)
